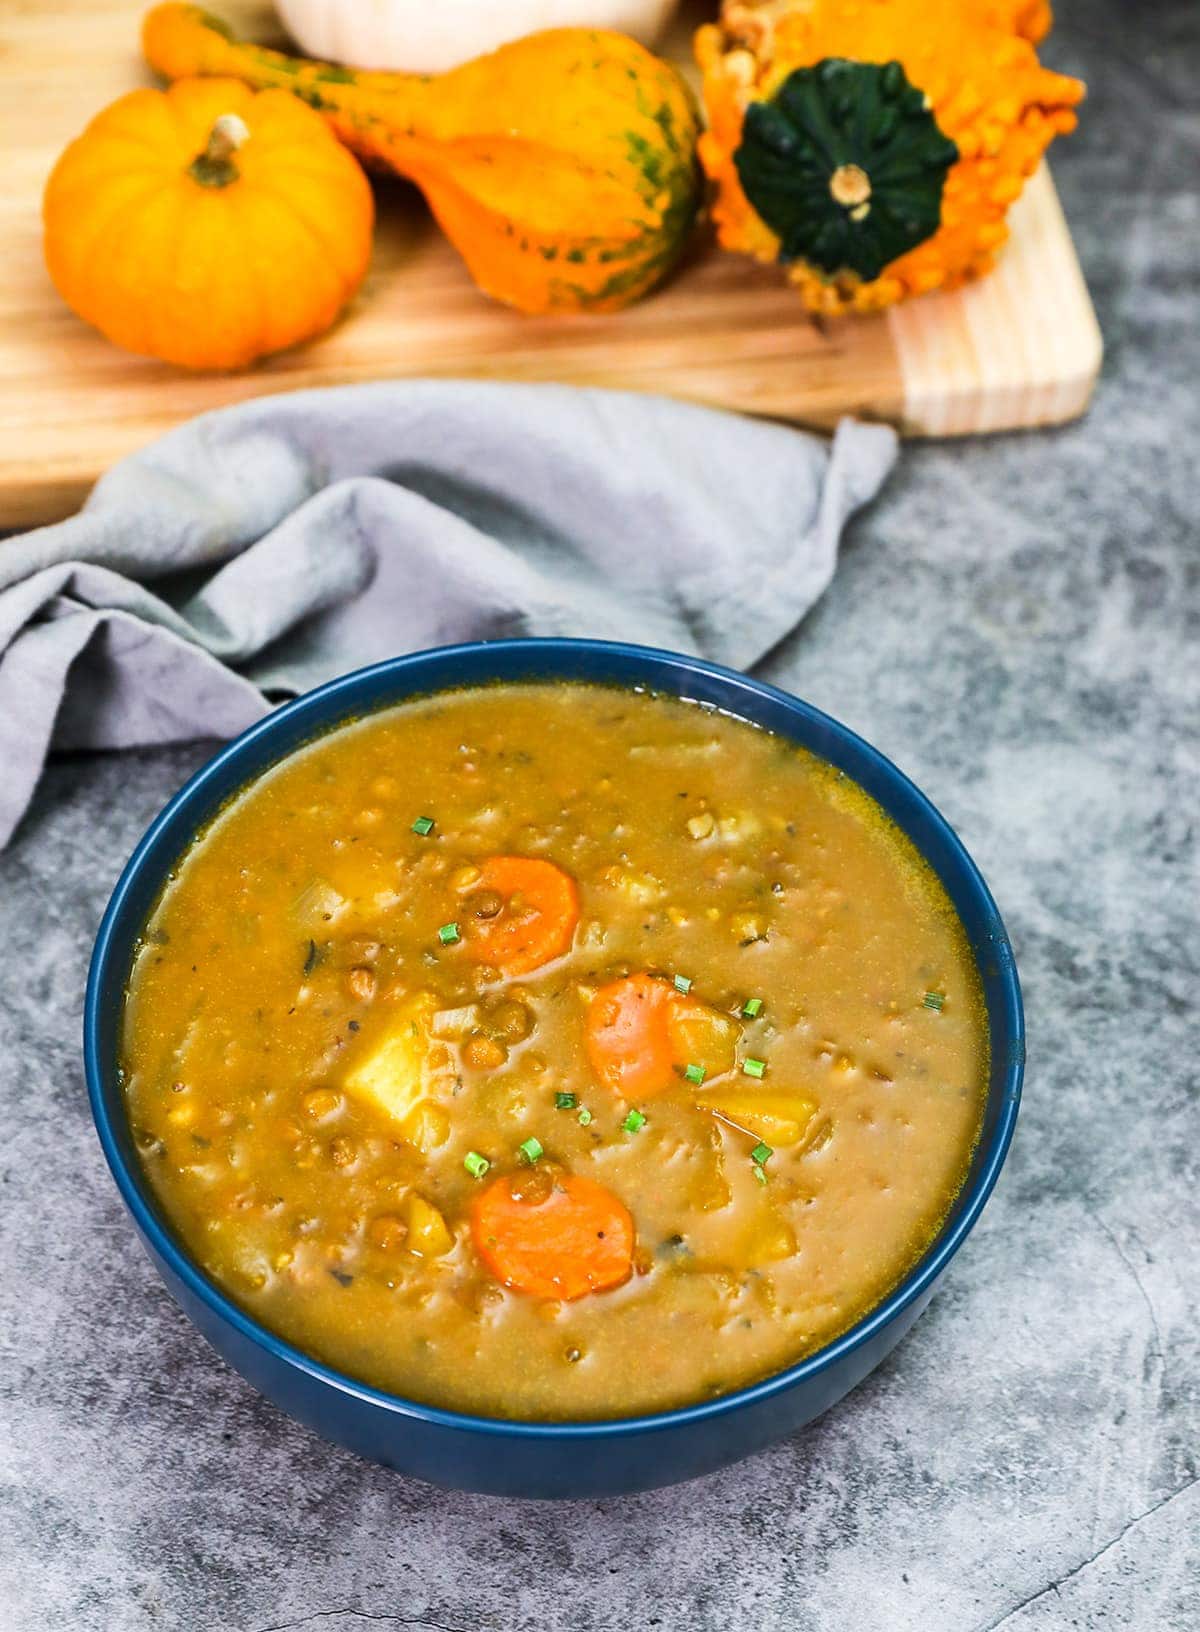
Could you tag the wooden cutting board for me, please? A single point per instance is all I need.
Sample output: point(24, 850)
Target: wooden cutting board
point(1020, 348)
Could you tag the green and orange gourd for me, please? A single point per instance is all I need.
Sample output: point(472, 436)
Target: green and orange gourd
point(562, 166)
point(873, 147)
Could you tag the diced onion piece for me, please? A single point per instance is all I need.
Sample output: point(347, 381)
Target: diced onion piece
point(451, 1024)
point(317, 904)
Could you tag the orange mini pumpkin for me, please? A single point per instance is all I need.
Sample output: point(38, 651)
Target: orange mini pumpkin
point(207, 224)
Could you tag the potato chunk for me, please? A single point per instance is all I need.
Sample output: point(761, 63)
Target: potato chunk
point(704, 1036)
point(428, 1236)
point(779, 1118)
point(396, 1075)
point(425, 1127)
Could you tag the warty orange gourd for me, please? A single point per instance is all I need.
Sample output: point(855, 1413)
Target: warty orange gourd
point(873, 147)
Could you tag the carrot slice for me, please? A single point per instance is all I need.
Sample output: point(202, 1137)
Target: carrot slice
point(534, 921)
point(579, 1239)
point(628, 1038)
point(640, 1032)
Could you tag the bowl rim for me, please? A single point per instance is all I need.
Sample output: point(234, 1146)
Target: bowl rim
point(136, 1196)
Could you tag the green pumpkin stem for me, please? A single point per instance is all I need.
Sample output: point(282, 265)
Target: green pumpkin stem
point(215, 166)
point(846, 164)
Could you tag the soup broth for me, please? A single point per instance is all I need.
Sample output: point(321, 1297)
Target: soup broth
point(554, 1052)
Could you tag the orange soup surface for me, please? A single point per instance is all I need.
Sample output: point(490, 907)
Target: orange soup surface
point(554, 1052)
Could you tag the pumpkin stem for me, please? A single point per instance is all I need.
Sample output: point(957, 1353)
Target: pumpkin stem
point(215, 167)
point(850, 185)
point(846, 164)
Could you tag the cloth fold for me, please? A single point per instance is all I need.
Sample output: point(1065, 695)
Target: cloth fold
point(262, 549)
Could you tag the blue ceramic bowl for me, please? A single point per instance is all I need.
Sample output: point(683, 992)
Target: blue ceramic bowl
point(523, 1458)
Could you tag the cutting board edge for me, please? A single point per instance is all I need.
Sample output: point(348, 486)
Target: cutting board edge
point(713, 335)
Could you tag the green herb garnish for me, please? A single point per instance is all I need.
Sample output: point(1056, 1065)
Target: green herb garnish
point(475, 1164)
point(423, 825)
point(752, 1008)
point(585, 1116)
point(694, 1073)
point(633, 1122)
point(760, 1175)
point(761, 1153)
point(565, 1102)
point(448, 934)
point(530, 1148)
point(754, 1068)
point(934, 1000)
point(683, 984)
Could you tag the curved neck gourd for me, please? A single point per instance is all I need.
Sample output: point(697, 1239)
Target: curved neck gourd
point(377, 115)
point(561, 166)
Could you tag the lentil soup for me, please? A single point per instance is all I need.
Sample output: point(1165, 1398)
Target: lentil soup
point(554, 1051)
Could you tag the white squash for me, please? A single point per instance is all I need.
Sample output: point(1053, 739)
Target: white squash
point(429, 36)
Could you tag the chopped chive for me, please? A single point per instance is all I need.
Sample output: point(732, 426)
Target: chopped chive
point(760, 1175)
point(683, 984)
point(761, 1153)
point(754, 1068)
point(448, 934)
point(752, 1008)
point(530, 1148)
point(633, 1122)
point(565, 1102)
point(694, 1073)
point(423, 825)
point(475, 1164)
point(934, 1000)
point(585, 1116)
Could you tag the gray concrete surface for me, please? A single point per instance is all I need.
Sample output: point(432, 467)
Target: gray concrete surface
point(1016, 623)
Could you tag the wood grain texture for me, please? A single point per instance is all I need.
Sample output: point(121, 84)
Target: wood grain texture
point(1021, 348)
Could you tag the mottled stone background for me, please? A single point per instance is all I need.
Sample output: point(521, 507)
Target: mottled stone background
point(1016, 624)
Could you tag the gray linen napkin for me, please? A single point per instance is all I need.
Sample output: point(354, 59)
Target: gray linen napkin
point(295, 537)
